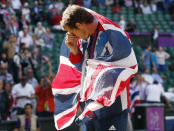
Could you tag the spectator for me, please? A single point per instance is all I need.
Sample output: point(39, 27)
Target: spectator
point(22, 23)
point(154, 93)
point(48, 2)
point(4, 75)
point(8, 88)
point(4, 106)
point(154, 36)
point(156, 76)
point(36, 13)
point(26, 60)
point(101, 2)
point(160, 5)
point(109, 2)
point(8, 11)
point(39, 30)
point(87, 3)
point(13, 26)
point(171, 9)
point(122, 23)
point(27, 122)
point(128, 3)
point(23, 93)
point(147, 77)
point(146, 58)
point(45, 99)
point(10, 46)
point(60, 5)
point(16, 5)
point(56, 21)
point(36, 56)
point(70, 2)
point(31, 79)
point(26, 12)
point(17, 60)
point(146, 8)
point(3, 58)
point(131, 27)
point(25, 38)
point(53, 8)
point(140, 85)
point(30, 30)
point(116, 9)
point(78, 2)
point(138, 9)
point(48, 38)
point(153, 6)
point(161, 58)
point(153, 59)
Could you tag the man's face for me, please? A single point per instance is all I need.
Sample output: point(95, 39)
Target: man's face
point(3, 69)
point(79, 32)
point(28, 110)
point(30, 73)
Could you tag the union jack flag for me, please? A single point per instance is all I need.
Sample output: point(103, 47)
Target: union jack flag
point(103, 79)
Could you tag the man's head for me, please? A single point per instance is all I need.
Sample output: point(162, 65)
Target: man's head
point(23, 80)
point(12, 38)
point(3, 68)
point(155, 26)
point(154, 70)
point(28, 109)
point(160, 49)
point(25, 29)
point(29, 73)
point(76, 20)
point(148, 47)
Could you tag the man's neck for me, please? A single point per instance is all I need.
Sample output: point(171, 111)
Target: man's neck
point(27, 116)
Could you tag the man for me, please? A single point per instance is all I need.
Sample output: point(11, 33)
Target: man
point(154, 36)
point(27, 122)
point(154, 93)
point(31, 79)
point(23, 93)
point(102, 52)
point(25, 38)
point(45, 99)
point(4, 75)
point(146, 58)
point(4, 100)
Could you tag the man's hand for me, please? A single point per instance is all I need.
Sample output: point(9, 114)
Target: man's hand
point(71, 42)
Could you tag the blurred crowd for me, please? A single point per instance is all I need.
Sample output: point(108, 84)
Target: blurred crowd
point(27, 27)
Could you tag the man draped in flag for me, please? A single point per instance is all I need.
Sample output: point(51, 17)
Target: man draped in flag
point(103, 55)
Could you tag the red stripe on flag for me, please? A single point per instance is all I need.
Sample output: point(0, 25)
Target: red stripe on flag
point(67, 117)
point(89, 90)
point(67, 77)
point(122, 85)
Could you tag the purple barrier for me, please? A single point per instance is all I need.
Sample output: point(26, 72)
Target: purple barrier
point(155, 118)
point(166, 41)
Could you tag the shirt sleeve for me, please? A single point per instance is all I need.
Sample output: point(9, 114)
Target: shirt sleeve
point(75, 58)
point(13, 90)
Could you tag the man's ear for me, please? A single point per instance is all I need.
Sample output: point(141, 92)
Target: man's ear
point(78, 25)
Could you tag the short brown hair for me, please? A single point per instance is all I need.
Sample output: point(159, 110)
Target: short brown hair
point(74, 14)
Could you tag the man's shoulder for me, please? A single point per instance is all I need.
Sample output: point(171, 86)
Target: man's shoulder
point(29, 86)
point(17, 86)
